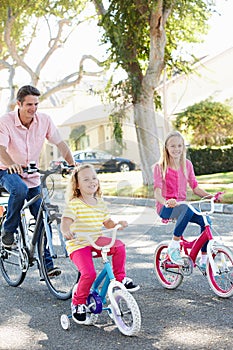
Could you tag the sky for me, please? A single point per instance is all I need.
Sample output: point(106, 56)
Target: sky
point(85, 40)
point(220, 36)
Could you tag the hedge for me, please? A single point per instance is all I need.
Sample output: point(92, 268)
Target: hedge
point(211, 160)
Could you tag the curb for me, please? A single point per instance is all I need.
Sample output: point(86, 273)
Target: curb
point(149, 202)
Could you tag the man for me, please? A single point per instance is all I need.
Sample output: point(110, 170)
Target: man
point(22, 135)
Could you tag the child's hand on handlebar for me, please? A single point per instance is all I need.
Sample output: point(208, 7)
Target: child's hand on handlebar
point(171, 203)
point(218, 197)
point(123, 224)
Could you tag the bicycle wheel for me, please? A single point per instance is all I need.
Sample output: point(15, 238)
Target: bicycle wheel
point(169, 276)
point(59, 285)
point(13, 265)
point(129, 320)
point(222, 283)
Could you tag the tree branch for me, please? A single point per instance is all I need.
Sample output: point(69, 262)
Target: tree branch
point(12, 49)
point(65, 83)
point(54, 45)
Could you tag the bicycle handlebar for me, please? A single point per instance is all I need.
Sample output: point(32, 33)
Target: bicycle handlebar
point(108, 246)
point(210, 200)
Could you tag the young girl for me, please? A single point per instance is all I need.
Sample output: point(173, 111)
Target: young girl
point(171, 176)
point(86, 212)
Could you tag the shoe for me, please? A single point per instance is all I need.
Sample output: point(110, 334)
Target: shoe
point(7, 239)
point(53, 272)
point(79, 313)
point(201, 266)
point(174, 255)
point(129, 285)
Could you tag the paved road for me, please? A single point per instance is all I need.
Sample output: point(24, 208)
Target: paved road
point(191, 317)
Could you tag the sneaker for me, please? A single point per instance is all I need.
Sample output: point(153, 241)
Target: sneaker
point(79, 313)
point(7, 239)
point(174, 255)
point(129, 285)
point(201, 266)
point(53, 272)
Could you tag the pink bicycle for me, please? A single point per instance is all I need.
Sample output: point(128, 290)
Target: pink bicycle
point(219, 267)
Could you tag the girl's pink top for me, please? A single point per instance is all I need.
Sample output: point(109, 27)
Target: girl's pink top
point(175, 183)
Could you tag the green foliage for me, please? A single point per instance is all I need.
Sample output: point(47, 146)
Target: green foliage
point(211, 160)
point(127, 26)
point(199, 123)
point(117, 119)
point(18, 14)
point(75, 136)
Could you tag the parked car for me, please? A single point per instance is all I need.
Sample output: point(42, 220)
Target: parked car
point(3, 191)
point(102, 161)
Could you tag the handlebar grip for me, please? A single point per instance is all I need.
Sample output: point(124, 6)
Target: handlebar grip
point(217, 195)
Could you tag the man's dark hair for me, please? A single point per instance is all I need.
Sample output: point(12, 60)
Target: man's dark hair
point(25, 91)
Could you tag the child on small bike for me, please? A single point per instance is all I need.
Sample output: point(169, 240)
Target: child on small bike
point(86, 212)
point(172, 174)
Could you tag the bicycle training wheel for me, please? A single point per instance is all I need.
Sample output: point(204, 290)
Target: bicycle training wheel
point(61, 282)
point(13, 265)
point(222, 283)
point(129, 320)
point(168, 276)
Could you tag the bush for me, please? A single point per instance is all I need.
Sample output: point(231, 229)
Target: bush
point(211, 160)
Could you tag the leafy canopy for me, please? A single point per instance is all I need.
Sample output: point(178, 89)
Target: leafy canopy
point(21, 16)
point(207, 123)
point(128, 27)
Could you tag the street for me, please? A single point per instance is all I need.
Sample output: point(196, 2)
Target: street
point(190, 317)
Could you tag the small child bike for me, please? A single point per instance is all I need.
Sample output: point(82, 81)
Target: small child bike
point(122, 308)
point(219, 267)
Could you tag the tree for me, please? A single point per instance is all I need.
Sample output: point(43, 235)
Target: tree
point(20, 24)
point(207, 123)
point(145, 37)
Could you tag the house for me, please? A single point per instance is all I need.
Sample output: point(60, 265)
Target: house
point(212, 77)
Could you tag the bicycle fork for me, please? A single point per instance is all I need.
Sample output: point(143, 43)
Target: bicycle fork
point(210, 251)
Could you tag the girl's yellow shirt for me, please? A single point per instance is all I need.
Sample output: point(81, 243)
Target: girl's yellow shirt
point(87, 219)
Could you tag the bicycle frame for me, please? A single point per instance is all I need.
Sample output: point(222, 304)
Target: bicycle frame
point(44, 244)
point(206, 236)
point(106, 274)
point(42, 216)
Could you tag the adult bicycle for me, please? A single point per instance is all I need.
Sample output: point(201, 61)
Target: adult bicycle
point(37, 241)
point(111, 296)
point(219, 266)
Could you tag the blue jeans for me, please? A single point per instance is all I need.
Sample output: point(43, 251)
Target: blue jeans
point(183, 215)
point(19, 192)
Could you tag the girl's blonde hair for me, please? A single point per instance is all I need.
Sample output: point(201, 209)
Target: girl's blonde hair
point(72, 188)
point(164, 160)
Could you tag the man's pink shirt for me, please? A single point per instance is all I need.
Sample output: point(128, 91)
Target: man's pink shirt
point(175, 183)
point(25, 145)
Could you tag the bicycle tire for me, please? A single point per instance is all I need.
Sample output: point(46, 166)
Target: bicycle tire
point(168, 277)
point(60, 286)
point(12, 266)
point(129, 321)
point(221, 284)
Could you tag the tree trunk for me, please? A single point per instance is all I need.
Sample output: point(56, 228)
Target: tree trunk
point(147, 136)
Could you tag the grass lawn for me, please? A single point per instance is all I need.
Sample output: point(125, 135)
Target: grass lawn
point(131, 184)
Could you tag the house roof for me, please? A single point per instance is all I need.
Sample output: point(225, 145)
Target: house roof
point(90, 114)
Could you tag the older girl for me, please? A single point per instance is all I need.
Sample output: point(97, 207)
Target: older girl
point(171, 176)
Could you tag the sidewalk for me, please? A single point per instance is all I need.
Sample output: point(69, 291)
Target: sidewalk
point(148, 202)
